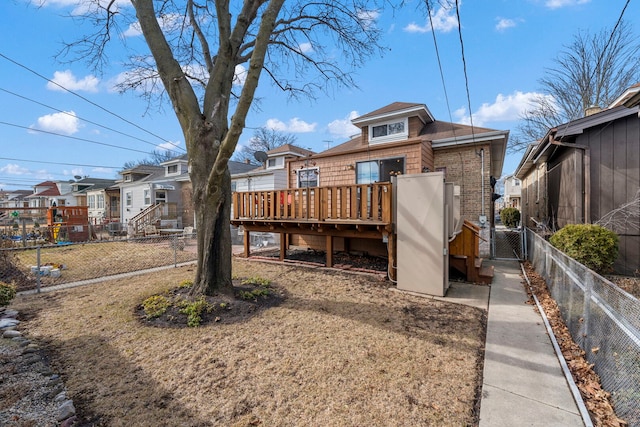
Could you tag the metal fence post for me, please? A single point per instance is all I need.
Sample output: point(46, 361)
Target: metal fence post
point(38, 270)
point(175, 250)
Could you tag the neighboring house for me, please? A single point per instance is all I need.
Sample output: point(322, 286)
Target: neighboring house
point(99, 198)
point(15, 199)
point(584, 169)
point(145, 186)
point(273, 174)
point(405, 138)
point(46, 193)
point(512, 192)
point(238, 171)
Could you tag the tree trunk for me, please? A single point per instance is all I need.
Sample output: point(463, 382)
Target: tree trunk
point(213, 212)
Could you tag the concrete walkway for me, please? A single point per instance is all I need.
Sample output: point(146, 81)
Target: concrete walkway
point(523, 383)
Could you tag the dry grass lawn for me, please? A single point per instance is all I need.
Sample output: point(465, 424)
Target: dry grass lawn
point(341, 350)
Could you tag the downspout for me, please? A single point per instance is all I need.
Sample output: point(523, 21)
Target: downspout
point(482, 179)
point(587, 176)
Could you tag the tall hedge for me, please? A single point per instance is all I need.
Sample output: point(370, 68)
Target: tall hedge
point(510, 217)
point(591, 245)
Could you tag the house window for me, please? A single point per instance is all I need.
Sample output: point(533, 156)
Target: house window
point(172, 169)
point(516, 182)
point(128, 199)
point(161, 197)
point(379, 170)
point(367, 172)
point(147, 196)
point(308, 177)
point(127, 178)
point(391, 131)
point(271, 163)
point(92, 201)
point(100, 201)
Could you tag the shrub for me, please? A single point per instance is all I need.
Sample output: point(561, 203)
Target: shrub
point(7, 293)
point(194, 310)
point(256, 280)
point(591, 245)
point(155, 306)
point(510, 217)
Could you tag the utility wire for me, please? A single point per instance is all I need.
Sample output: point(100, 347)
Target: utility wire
point(57, 163)
point(464, 65)
point(83, 98)
point(85, 120)
point(73, 137)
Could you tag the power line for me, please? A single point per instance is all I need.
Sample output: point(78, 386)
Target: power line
point(464, 66)
point(83, 98)
point(57, 163)
point(73, 137)
point(85, 120)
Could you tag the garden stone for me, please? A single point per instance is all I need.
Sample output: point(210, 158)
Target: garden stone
point(11, 334)
point(68, 422)
point(66, 410)
point(8, 313)
point(8, 322)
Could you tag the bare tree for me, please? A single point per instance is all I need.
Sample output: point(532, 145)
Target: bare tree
point(209, 56)
point(264, 139)
point(155, 158)
point(592, 71)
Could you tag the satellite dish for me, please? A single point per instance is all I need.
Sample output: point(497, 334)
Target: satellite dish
point(260, 156)
point(77, 177)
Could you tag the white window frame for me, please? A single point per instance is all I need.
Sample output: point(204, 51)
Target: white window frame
point(128, 199)
point(170, 172)
point(100, 201)
point(390, 137)
point(127, 178)
point(161, 199)
point(146, 196)
point(91, 201)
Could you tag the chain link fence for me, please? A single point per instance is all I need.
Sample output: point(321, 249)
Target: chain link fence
point(508, 244)
point(603, 320)
point(38, 264)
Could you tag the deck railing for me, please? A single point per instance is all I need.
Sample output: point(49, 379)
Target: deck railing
point(364, 202)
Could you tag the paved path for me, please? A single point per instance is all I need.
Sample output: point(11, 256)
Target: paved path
point(523, 384)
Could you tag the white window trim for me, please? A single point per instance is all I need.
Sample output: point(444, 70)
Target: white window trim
point(128, 199)
point(389, 138)
point(177, 172)
point(146, 196)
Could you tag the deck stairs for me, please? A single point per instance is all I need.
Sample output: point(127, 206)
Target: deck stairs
point(147, 217)
point(464, 256)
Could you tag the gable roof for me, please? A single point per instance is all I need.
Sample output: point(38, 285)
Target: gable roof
point(290, 149)
point(630, 97)
point(394, 110)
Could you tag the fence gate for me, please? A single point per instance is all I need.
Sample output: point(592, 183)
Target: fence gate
point(508, 244)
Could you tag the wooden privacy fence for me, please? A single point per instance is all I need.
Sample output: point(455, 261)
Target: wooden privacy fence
point(358, 203)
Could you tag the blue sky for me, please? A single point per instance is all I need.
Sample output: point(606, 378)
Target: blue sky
point(507, 45)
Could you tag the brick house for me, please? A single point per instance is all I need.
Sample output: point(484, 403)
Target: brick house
point(405, 138)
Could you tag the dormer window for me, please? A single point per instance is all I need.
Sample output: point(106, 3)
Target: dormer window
point(172, 169)
point(387, 132)
point(275, 162)
point(127, 178)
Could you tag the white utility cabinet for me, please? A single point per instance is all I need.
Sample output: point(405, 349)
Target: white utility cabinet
point(422, 230)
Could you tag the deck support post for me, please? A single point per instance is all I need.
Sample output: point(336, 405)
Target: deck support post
point(247, 244)
point(392, 263)
point(283, 245)
point(329, 251)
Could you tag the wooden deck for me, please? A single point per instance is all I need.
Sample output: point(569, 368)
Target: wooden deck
point(352, 211)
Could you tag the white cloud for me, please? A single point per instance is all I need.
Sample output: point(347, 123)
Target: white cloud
point(504, 108)
point(169, 146)
point(65, 123)
point(504, 23)
point(343, 127)
point(556, 4)
point(368, 18)
point(240, 75)
point(85, 7)
point(305, 47)
point(74, 172)
point(68, 80)
point(295, 125)
point(13, 169)
point(444, 20)
point(104, 171)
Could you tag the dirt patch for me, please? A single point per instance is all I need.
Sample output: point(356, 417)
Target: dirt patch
point(341, 260)
point(340, 349)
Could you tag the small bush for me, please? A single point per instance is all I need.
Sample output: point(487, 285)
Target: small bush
point(591, 245)
point(155, 306)
point(7, 293)
point(194, 310)
point(254, 294)
point(185, 284)
point(510, 217)
point(259, 281)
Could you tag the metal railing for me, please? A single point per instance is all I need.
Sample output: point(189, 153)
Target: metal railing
point(603, 320)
